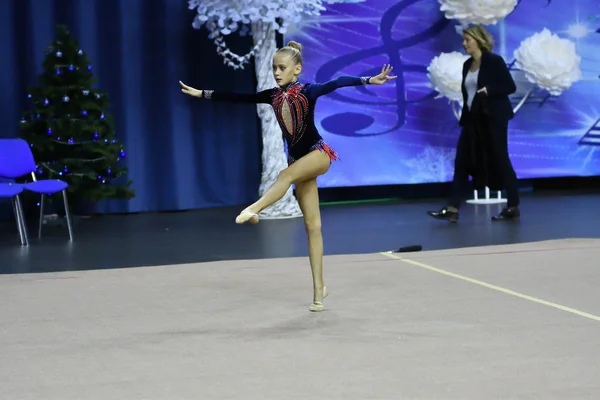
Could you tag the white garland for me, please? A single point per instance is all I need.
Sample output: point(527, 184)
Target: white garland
point(224, 17)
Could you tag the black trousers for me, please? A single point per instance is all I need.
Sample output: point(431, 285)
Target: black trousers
point(482, 152)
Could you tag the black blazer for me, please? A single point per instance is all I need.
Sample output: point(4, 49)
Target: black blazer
point(495, 76)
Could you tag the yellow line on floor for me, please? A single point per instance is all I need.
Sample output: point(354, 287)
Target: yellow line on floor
point(494, 287)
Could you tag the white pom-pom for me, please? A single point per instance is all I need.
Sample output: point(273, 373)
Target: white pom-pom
point(485, 12)
point(445, 74)
point(548, 61)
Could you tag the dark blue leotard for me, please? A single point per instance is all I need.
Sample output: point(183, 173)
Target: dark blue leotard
point(294, 106)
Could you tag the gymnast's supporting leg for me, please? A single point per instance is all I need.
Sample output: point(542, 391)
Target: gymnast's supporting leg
point(308, 199)
point(309, 166)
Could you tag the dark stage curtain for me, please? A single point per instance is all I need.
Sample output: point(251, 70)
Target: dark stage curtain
point(183, 153)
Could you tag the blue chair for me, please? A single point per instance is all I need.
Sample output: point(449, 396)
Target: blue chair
point(16, 160)
point(9, 190)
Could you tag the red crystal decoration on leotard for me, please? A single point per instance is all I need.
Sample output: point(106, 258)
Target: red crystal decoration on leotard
point(291, 109)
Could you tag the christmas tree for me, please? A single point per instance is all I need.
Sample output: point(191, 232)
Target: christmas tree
point(69, 128)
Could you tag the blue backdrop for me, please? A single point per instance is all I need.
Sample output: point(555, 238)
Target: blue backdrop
point(401, 134)
point(182, 153)
point(185, 153)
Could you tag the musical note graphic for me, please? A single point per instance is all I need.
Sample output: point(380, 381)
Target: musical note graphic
point(350, 123)
point(592, 136)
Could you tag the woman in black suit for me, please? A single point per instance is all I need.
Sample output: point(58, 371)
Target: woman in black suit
point(482, 150)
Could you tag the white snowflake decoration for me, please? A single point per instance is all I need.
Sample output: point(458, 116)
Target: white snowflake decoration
point(433, 164)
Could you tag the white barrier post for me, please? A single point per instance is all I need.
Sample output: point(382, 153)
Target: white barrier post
point(487, 199)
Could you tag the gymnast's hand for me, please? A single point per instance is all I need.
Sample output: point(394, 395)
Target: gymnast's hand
point(190, 90)
point(383, 77)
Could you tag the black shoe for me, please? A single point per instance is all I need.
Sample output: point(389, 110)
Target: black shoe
point(508, 214)
point(450, 216)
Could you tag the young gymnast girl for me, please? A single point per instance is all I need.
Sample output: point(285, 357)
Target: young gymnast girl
point(308, 155)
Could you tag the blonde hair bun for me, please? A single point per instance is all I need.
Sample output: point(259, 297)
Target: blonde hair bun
point(293, 50)
point(295, 45)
